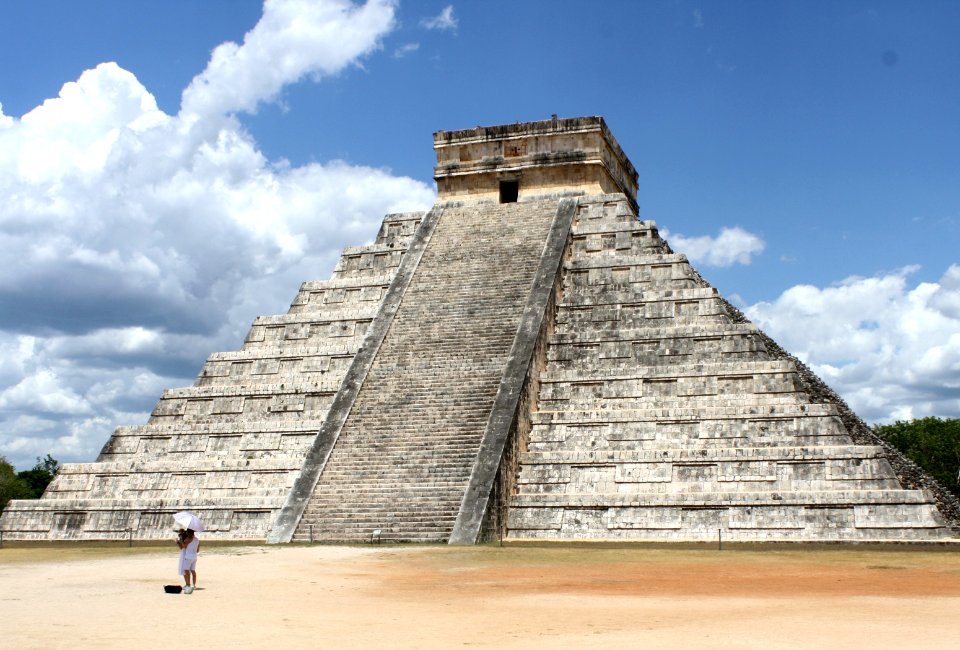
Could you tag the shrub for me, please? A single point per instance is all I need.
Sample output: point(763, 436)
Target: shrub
point(932, 443)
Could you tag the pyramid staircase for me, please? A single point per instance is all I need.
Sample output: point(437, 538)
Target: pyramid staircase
point(403, 460)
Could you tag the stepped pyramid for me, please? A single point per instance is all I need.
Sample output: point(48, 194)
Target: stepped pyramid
point(527, 359)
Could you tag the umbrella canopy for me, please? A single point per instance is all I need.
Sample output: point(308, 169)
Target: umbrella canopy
point(188, 520)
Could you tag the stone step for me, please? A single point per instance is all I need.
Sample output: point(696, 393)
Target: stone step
point(694, 405)
point(737, 521)
point(437, 515)
point(655, 260)
point(364, 534)
point(715, 499)
point(619, 358)
point(739, 454)
point(551, 442)
point(362, 520)
point(313, 337)
point(381, 280)
point(273, 389)
point(331, 377)
point(178, 467)
point(586, 228)
point(342, 294)
point(736, 369)
point(198, 504)
point(334, 348)
point(331, 317)
point(676, 413)
point(143, 517)
point(374, 493)
point(708, 331)
point(625, 298)
point(448, 472)
point(611, 323)
point(784, 481)
point(394, 246)
point(221, 428)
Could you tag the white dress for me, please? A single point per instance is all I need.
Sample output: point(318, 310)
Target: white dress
point(188, 556)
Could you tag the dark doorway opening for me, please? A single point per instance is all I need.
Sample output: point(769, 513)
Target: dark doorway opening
point(509, 191)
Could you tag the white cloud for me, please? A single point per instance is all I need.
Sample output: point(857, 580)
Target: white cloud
point(5, 120)
point(136, 242)
point(405, 49)
point(698, 19)
point(946, 299)
point(444, 20)
point(891, 350)
point(294, 38)
point(731, 246)
point(44, 392)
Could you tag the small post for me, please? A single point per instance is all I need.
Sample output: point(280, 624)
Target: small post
point(1, 539)
point(311, 533)
point(130, 537)
point(501, 524)
point(719, 540)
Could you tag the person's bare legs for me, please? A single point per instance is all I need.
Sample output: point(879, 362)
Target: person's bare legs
point(186, 577)
point(193, 574)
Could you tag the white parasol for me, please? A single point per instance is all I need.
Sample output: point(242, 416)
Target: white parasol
point(188, 520)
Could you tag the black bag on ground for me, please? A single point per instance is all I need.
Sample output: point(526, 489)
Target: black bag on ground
point(172, 589)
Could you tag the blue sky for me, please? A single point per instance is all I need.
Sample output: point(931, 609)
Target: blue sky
point(803, 154)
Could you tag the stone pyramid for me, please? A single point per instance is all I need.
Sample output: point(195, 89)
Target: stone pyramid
point(528, 359)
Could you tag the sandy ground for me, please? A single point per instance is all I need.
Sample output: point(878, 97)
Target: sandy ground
point(442, 597)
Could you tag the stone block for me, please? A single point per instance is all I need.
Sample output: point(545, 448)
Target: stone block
point(644, 473)
point(649, 518)
point(584, 523)
point(535, 519)
point(894, 516)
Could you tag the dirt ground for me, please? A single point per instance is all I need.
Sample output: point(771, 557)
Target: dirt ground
point(443, 597)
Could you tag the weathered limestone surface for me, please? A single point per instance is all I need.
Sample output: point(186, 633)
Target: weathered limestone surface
point(230, 447)
point(554, 157)
point(661, 418)
point(403, 458)
point(527, 358)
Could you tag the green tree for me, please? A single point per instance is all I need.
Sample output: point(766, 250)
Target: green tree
point(37, 479)
point(932, 443)
point(11, 487)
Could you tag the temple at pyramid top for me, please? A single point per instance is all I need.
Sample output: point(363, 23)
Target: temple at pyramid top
point(519, 161)
point(527, 360)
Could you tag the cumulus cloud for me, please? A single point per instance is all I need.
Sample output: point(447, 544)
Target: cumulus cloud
point(891, 349)
point(136, 242)
point(444, 20)
point(5, 120)
point(731, 246)
point(946, 299)
point(294, 38)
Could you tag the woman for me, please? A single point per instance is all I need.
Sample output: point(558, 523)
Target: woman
point(189, 545)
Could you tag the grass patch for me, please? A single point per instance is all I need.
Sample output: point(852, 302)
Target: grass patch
point(47, 552)
point(899, 556)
